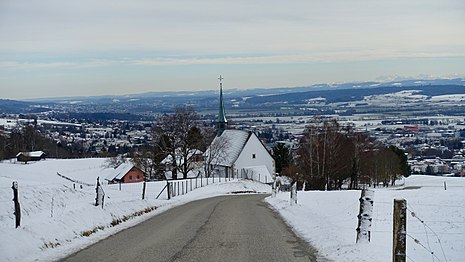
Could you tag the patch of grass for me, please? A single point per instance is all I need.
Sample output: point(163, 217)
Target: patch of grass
point(90, 232)
point(125, 218)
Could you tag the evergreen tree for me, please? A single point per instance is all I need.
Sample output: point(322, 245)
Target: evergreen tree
point(282, 156)
point(404, 167)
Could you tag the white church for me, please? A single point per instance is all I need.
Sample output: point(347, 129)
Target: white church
point(238, 153)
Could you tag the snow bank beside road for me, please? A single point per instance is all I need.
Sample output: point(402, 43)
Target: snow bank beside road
point(55, 216)
point(328, 220)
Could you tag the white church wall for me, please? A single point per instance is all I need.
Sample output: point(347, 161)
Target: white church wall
point(252, 148)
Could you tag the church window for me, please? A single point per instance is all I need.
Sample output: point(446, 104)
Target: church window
point(253, 156)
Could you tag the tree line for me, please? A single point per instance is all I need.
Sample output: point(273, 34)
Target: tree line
point(330, 156)
point(30, 139)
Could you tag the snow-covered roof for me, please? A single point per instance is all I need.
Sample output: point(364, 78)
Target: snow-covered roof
point(230, 143)
point(120, 171)
point(179, 160)
point(31, 154)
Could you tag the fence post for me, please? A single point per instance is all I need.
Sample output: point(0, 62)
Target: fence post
point(190, 182)
point(273, 188)
point(16, 201)
point(177, 187)
point(445, 185)
point(143, 191)
point(399, 231)
point(294, 194)
point(365, 216)
point(97, 193)
point(120, 185)
point(201, 180)
point(168, 189)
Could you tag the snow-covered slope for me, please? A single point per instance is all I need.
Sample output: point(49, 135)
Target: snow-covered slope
point(56, 215)
point(328, 220)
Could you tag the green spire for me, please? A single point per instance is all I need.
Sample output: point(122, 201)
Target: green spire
point(221, 121)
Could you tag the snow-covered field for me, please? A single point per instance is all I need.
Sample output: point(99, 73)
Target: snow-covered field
point(55, 216)
point(328, 220)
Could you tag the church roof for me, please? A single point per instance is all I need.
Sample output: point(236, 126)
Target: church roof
point(230, 143)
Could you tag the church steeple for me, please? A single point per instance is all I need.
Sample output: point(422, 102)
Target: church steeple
point(221, 121)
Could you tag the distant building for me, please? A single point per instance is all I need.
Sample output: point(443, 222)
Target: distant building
point(237, 153)
point(242, 155)
point(126, 173)
point(411, 128)
point(30, 156)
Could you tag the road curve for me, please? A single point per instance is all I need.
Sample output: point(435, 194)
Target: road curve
point(226, 228)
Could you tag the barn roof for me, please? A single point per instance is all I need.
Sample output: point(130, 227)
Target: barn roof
point(120, 171)
point(31, 154)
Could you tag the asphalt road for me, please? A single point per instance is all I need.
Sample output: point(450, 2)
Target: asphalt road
point(227, 228)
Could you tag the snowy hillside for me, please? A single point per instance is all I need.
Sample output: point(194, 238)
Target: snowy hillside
point(328, 220)
point(58, 219)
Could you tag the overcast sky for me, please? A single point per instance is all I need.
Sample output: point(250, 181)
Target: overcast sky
point(66, 48)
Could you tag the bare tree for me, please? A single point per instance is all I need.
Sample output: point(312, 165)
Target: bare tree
point(114, 162)
point(215, 154)
point(361, 145)
point(148, 159)
point(322, 154)
point(173, 133)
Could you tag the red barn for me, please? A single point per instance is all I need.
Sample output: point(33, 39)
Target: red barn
point(126, 173)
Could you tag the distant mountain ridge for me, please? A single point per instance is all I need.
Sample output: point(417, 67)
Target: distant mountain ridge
point(155, 102)
point(235, 93)
point(349, 95)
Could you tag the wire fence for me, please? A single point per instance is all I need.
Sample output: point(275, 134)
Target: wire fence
point(425, 232)
point(57, 199)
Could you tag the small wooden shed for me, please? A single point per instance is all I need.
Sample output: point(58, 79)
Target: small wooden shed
point(30, 156)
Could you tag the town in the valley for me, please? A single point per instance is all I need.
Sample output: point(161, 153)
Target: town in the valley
point(434, 144)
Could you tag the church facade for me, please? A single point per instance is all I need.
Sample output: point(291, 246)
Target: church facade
point(238, 153)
